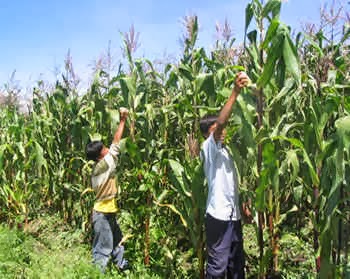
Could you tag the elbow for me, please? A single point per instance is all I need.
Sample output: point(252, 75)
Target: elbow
point(220, 123)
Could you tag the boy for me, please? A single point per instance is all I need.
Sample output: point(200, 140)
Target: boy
point(107, 233)
point(225, 255)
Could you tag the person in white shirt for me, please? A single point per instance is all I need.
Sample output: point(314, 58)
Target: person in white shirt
point(225, 255)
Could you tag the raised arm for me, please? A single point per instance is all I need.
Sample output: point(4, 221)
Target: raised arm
point(225, 113)
point(119, 133)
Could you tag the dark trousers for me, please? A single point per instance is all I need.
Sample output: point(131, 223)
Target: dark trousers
point(224, 249)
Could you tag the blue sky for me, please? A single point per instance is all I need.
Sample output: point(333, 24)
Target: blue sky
point(36, 34)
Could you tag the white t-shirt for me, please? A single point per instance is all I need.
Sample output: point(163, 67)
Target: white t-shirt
point(220, 172)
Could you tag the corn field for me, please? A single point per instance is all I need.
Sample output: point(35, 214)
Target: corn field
point(290, 136)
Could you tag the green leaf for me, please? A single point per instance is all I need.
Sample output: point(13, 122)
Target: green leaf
point(21, 149)
point(128, 88)
point(186, 72)
point(137, 100)
point(314, 44)
point(249, 12)
point(343, 125)
point(290, 57)
point(252, 36)
point(254, 56)
point(205, 83)
point(271, 32)
point(178, 171)
point(298, 193)
point(95, 137)
point(132, 149)
point(311, 168)
point(172, 80)
point(292, 159)
point(274, 52)
point(114, 118)
point(39, 157)
point(3, 147)
point(273, 7)
point(225, 92)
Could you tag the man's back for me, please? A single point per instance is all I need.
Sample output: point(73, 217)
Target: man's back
point(103, 180)
point(223, 197)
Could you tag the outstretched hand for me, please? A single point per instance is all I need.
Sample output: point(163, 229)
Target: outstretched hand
point(241, 81)
point(119, 133)
point(123, 112)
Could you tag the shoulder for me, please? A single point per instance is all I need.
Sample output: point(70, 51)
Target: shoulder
point(100, 167)
point(209, 142)
point(209, 149)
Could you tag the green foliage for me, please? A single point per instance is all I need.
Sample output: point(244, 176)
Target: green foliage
point(289, 137)
point(49, 248)
point(15, 255)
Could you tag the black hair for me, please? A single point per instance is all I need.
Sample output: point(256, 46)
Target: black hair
point(206, 122)
point(93, 150)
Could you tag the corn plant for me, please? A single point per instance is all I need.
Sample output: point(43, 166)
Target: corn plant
point(289, 136)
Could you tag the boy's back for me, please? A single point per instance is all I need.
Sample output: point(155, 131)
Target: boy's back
point(103, 175)
point(107, 234)
point(225, 255)
point(223, 197)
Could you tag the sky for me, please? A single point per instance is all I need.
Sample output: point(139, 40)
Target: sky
point(35, 35)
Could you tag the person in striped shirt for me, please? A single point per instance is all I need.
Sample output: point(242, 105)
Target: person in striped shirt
point(107, 233)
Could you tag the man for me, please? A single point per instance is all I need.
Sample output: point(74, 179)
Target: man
point(223, 224)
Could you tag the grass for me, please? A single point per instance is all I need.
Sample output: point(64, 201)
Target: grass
point(48, 249)
point(44, 252)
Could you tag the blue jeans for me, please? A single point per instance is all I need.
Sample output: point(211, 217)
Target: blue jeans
point(107, 235)
point(224, 248)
